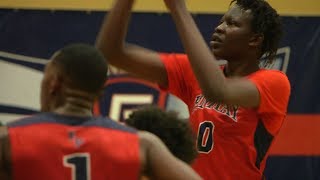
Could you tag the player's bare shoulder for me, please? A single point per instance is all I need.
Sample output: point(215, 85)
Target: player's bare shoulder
point(146, 140)
point(3, 132)
point(4, 153)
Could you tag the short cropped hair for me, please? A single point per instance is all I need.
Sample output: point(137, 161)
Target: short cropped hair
point(83, 65)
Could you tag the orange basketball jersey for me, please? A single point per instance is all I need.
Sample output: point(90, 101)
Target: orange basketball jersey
point(232, 141)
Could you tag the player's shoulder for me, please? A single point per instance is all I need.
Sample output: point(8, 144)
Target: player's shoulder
point(3, 132)
point(270, 72)
point(147, 136)
point(269, 75)
point(106, 123)
point(67, 120)
point(148, 139)
point(29, 120)
point(271, 79)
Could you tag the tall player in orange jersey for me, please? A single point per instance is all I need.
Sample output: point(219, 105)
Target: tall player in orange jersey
point(66, 142)
point(235, 112)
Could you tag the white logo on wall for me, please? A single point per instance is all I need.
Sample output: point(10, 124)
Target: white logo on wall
point(20, 87)
point(281, 61)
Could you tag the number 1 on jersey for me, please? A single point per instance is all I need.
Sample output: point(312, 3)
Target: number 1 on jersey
point(79, 164)
point(205, 137)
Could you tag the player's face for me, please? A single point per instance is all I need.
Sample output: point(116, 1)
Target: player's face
point(231, 37)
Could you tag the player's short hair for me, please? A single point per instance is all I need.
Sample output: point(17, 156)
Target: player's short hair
point(83, 65)
point(176, 133)
point(265, 20)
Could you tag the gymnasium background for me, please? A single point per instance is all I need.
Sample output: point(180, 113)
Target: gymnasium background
point(31, 30)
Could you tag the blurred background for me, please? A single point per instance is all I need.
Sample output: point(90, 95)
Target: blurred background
point(31, 30)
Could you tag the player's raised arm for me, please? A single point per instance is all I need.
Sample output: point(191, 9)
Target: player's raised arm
point(214, 85)
point(139, 61)
point(159, 163)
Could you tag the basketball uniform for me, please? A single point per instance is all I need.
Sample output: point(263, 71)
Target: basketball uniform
point(50, 146)
point(232, 141)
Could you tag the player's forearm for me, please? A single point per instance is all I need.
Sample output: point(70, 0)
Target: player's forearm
point(203, 62)
point(114, 29)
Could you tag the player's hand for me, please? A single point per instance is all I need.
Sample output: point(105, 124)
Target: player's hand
point(175, 4)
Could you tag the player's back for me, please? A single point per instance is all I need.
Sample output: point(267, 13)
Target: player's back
point(56, 147)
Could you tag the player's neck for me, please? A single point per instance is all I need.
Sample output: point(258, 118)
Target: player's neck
point(241, 67)
point(75, 107)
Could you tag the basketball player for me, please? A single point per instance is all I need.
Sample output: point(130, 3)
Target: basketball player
point(66, 142)
point(173, 131)
point(235, 110)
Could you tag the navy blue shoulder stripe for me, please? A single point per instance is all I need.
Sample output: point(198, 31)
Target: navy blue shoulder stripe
point(71, 121)
point(108, 123)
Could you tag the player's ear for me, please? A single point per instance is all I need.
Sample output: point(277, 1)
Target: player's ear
point(256, 40)
point(55, 84)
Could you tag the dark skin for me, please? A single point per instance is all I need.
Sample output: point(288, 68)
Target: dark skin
point(58, 97)
point(233, 40)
